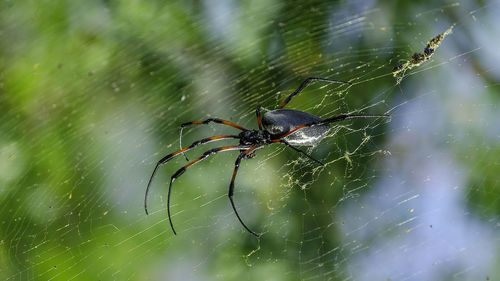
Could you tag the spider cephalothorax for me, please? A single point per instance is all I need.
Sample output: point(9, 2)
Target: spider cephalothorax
point(254, 137)
point(286, 126)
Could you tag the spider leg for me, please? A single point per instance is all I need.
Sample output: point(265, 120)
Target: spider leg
point(172, 155)
point(183, 169)
point(329, 120)
point(215, 120)
point(259, 120)
point(301, 151)
point(305, 83)
point(242, 155)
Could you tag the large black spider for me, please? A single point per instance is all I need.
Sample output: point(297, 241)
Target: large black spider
point(286, 126)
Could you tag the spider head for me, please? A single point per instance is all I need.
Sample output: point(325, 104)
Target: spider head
point(253, 137)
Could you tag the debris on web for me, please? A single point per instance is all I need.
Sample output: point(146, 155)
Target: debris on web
point(418, 58)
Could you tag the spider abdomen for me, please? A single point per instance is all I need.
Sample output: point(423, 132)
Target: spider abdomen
point(280, 121)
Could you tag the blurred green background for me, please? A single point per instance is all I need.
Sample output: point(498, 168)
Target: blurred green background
point(92, 94)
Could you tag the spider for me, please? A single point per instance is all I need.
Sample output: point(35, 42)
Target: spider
point(284, 126)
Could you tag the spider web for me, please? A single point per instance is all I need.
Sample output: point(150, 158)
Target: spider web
point(92, 95)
